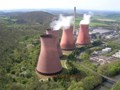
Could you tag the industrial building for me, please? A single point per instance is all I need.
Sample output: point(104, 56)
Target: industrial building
point(67, 39)
point(106, 50)
point(54, 33)
point(117, 54)
point(102, 31)
point(48, 61)
point(83, 35)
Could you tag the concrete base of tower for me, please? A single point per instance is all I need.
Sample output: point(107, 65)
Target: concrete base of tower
point(48, 74)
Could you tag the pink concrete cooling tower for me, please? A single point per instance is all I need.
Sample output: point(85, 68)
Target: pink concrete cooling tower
point(83, 35)
point(54, 33)
point(67, 40)
point(49, 61)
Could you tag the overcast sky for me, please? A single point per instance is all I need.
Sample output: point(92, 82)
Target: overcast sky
point(113, 5)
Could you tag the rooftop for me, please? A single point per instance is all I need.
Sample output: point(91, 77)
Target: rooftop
point(101, 30)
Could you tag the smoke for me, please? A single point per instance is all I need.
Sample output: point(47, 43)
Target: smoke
point(62, 22)
point(86, 19)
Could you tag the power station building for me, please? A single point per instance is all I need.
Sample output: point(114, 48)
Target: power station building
point(48, 61)
point(83, 35)
point(54, 33)
point(67, 39)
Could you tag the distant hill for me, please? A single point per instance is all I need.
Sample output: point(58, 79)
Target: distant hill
point(1, 12)
point(35, 17)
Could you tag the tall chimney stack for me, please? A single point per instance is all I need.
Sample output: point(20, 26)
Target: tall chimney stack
point(49, 61)
point(83, 35)
point(54, 33)
point(74, 20)
point(67, 40)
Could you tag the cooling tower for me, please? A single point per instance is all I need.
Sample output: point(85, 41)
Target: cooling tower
point(49, 61)
point(67, 40)
point(54, 33)
point(83, 35)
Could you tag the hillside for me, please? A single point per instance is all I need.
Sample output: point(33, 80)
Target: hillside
point(12, 27)
point(37, 17)
point(19, 36)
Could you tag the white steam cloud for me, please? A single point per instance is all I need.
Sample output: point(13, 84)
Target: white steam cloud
point(62, 22)
point(86, 19)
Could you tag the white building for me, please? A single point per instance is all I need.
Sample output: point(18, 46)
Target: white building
point(117, 54)
point(106, 50)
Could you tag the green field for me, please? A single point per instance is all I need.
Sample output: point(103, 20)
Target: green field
point(102, 21)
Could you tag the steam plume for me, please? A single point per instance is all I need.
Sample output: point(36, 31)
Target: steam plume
point(62, 22)
point(86, 19)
